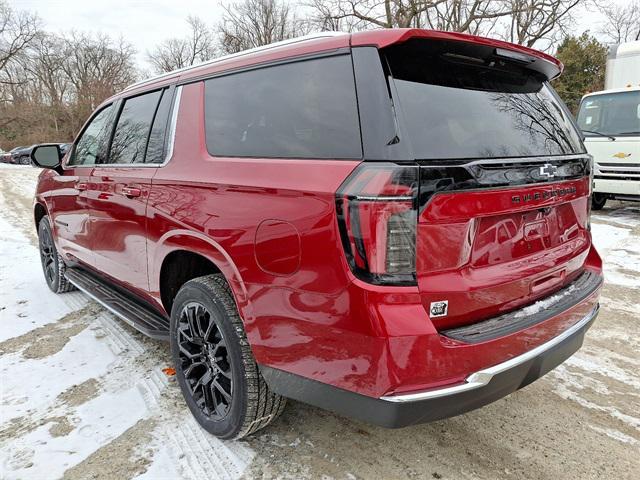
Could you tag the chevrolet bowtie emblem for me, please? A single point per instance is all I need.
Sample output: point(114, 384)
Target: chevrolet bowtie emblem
point(548, 170)
point(621, 155)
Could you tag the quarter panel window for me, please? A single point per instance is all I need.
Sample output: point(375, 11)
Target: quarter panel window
point(91, 145)
point(132, 130)
point(305, 109)
point(157, 140)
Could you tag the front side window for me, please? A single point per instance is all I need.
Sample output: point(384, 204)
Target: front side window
point(133, 127)
point(610, 114)
point(91, 145)
point(305, 109)
point(461, 102)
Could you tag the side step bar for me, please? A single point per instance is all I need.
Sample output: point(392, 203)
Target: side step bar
point(135, 313)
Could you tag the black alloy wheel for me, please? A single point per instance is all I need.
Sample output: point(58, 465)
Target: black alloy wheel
point(215, 368)
point(48, 256)
point(53, 266)
point(205, 361)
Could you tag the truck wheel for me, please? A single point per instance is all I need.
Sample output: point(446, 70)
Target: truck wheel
point(598, 200)
point(215, 368)
point(53, 265)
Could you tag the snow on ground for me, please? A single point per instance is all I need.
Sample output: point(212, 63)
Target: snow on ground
point(83, 396)
point(77, 385)
point(20, 295)
point(618, 247)
point(616, 235)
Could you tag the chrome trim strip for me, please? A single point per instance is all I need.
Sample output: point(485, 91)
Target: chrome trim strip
point(383, 198)
point(510, 160)
point(482, 378)
point(173, 123)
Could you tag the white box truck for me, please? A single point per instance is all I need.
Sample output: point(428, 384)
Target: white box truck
point(610, 122)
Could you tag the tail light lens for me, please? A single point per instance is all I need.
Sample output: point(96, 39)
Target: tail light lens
point(377, 217)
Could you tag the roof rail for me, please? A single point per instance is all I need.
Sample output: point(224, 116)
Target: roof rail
point(304, 38)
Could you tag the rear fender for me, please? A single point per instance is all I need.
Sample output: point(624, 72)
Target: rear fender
point(202, 245)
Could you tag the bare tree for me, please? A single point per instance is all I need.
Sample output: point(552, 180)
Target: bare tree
point(471, 16)
point(362, 14)
point(53, 85)
point(174, 53)
point(533, 21)
point(254, 23)
point(622, 22)
point(522, 21)
point(17, 31)
point(97, 67)
point(453, 15)
point(324, 17)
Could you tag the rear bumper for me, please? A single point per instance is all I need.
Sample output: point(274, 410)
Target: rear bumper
point(479, 388)
point(616, 187)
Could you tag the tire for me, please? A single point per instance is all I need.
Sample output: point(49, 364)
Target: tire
point(53, 266)
point(215, 368)
point(25, 161)
point(598, 200)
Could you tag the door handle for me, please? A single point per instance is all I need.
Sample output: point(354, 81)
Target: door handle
point(131, 192)
point(82, 186)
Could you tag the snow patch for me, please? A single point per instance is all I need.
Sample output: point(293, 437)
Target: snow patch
point(616, 435)
point(544, 303)
point(33, 384)
point(96, 423)
point(25, 300)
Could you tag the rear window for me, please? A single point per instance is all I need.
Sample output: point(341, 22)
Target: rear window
point(305, 109)
point(462, 101)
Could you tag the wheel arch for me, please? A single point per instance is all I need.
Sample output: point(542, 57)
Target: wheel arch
point(201, 256)
point(39, 212)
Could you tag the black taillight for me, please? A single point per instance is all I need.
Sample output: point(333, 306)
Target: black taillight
point(377, 217)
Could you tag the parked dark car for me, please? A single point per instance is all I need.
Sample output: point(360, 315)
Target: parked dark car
point(8, 157)
point(22, 155)
point(392, 224)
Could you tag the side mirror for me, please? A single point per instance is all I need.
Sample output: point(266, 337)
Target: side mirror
point(46, 156)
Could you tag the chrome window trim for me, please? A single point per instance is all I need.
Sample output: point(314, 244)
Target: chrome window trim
point(172, 125)
point(170, 139)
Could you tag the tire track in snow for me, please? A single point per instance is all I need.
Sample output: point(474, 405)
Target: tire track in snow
point(132, 371)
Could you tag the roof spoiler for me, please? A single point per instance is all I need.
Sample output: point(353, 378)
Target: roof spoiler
point(534, 60)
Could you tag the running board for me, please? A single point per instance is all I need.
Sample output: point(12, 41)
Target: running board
point(135, 313)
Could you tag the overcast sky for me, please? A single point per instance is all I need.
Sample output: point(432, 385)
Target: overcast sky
point(145, 23)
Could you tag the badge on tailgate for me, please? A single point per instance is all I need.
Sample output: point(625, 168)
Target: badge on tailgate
point(439, 309)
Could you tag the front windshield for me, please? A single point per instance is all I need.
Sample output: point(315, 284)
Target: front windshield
point(610, 114)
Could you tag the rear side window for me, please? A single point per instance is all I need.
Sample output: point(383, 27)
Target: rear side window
point(462, 101)
point(133, 127)
point(305, 109)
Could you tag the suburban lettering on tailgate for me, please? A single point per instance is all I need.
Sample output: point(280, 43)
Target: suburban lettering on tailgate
point(543, 195)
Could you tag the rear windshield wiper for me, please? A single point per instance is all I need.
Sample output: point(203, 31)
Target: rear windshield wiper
point(601, 134)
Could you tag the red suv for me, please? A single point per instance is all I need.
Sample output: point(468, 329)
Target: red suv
point(392, 225)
